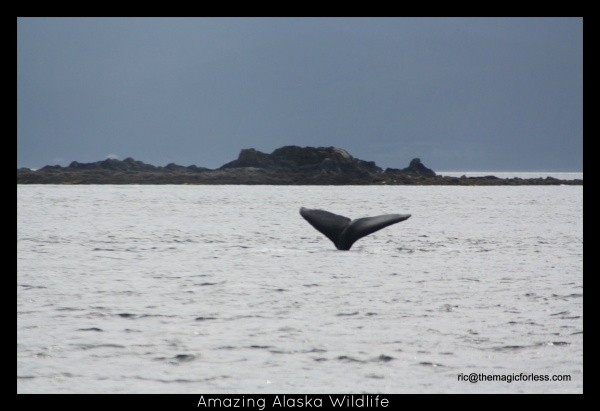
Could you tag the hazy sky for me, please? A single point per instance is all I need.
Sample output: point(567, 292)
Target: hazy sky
point(461, 94)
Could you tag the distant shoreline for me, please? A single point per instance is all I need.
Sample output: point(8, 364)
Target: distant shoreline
point(561, 175)
point(289, 165)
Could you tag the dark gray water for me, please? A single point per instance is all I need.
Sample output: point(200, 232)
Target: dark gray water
point(187, 289)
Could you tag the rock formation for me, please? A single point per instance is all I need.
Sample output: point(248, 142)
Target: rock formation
point(289, 165)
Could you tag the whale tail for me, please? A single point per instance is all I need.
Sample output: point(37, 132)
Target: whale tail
point(344, 232)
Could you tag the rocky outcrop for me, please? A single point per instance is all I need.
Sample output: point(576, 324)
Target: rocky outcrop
point(289, 165)
point(111, 164)
point(175, 168)
point(304, 159)
point(250, 157)
point(415, 168)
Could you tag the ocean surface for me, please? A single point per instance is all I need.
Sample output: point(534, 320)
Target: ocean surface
point(226, 289)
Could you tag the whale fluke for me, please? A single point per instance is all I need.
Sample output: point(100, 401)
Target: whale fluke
point(344, 232)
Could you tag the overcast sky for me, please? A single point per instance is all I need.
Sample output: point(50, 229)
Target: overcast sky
point(461, 94)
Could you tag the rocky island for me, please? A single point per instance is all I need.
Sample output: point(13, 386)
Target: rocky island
point(289, 165)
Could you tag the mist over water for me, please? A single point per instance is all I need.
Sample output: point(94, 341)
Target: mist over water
point(189, 289)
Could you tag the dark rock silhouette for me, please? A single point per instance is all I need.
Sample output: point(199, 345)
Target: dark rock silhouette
point(302, 159)
point(129, 164)
point(288, 165)
point(414, 168)
point(250, 157)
